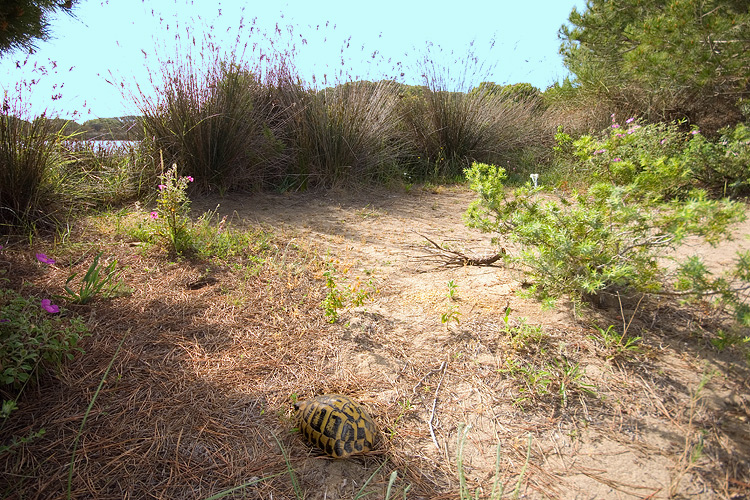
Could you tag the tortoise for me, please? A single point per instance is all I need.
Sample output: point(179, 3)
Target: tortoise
point(336, 424)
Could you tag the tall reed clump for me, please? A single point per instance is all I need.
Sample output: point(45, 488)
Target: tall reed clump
point(451, 125)
point(28, 155)
point(215, 125)
point(350, 132)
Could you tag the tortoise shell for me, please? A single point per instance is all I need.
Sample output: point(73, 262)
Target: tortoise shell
point(336, 424)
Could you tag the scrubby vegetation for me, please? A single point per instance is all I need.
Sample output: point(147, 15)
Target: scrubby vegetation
point(646, 146)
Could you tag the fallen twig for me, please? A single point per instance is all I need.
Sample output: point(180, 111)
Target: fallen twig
point(455, 258)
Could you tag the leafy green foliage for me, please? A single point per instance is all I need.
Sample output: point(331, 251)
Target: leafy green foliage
point(339, 298)
point(616, 345)
point(664, 160)
point(32, 339)
point(663, 58)
point(607, 238)
point(98, 280)
point(561, 377)
point(728, 290)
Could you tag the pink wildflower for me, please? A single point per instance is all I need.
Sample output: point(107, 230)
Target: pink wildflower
point(162, 187)
point(154, 215)
point(48, 306)
point(44, 259)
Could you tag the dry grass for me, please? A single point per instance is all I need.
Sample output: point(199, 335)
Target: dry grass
point(203, 384)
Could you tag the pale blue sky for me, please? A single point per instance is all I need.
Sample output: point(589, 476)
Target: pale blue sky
point(107, 40)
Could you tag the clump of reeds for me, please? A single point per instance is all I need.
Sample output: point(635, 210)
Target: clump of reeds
point(28, 153)
point(453, 121)
point(217, 116)
point(349, 132)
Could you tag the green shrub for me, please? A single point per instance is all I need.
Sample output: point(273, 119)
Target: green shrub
point(608, 238)
point(723, 167)
point(32, 338)
point(663, 160)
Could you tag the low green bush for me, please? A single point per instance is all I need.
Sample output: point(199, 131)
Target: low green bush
point(662, 159)
point(607, 238)
point(33, 337)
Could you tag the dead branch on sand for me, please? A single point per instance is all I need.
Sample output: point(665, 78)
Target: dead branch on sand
point(453, 258)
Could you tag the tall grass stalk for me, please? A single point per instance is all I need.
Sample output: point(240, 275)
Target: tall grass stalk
point(298, 493)
point(86, 415)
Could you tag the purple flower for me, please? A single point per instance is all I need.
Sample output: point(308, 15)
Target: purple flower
point(154, 215)
point(617, 159)
point(3, 320)
point(48, 306)
point(189, 178)
point(600, 151)
point(619, 135)
point(695, 132)
point(615, 125)
point(44, 259)
point(162, 187)
point(662, 141)
point(629, 120)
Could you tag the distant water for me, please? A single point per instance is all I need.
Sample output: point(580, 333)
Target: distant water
point(105, 144)
point(114, 144)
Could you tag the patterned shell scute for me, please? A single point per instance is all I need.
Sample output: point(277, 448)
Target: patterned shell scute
point(337, 425)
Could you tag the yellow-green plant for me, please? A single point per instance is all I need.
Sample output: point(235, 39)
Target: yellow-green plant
point(607, 238)
point(339, 298)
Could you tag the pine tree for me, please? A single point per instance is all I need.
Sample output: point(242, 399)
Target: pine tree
point(22, 22)
point(667, 58)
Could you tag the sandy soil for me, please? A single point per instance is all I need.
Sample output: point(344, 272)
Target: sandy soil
point(668, 421)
